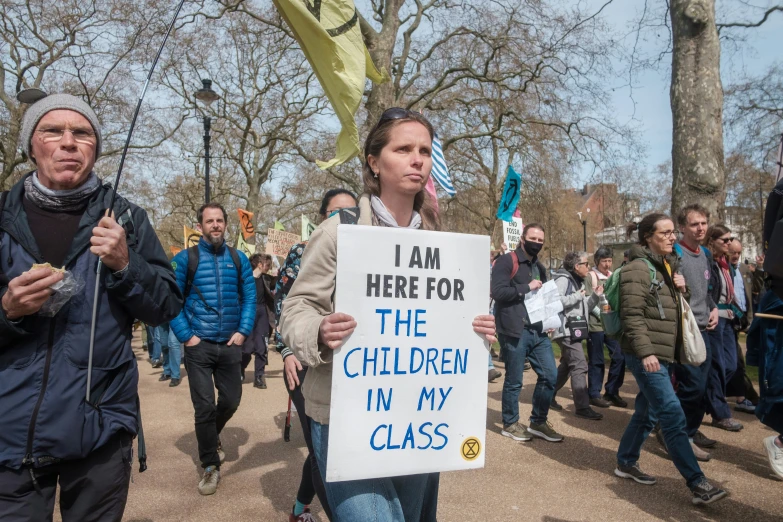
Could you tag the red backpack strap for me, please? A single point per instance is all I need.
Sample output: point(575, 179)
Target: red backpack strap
point(515, 263)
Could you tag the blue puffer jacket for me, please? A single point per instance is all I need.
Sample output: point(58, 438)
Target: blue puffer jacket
point(43, 360)
point(233, 310)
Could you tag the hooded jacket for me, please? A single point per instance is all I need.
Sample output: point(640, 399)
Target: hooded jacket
point(644, 331)
point(226, 308)
point(574, 303)
point(43, 360)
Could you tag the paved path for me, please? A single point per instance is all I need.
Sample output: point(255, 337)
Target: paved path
point(522, 481)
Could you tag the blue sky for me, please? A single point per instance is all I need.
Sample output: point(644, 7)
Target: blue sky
point(761, 49)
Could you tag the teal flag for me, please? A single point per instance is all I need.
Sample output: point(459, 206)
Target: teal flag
point(510, 197)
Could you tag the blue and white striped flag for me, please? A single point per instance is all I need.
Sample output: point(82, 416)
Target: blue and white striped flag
point(439, 169)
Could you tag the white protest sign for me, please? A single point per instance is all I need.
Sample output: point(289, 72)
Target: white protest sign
point(512, 232)
point(409, 386)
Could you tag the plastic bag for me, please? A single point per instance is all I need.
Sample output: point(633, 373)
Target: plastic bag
point(63, 290)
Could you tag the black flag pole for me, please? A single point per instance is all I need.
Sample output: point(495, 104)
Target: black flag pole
point(114, 193)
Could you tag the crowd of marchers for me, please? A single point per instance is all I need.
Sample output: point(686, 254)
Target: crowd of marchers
point(69, 378)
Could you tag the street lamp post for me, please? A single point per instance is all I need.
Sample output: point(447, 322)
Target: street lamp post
point(207, 96)
point(584, 229)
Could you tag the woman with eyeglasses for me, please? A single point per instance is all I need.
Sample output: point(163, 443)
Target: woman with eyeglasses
point(398, 161)
point(722, 341)
point(294, 372)
point(570, 281)
point(651, 315)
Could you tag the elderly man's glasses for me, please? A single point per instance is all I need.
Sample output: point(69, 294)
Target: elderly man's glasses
point(55, 134)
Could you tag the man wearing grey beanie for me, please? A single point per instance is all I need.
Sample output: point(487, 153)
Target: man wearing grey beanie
point(54, 227)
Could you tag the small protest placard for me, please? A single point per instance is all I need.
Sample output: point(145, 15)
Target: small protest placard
point(409, 386)
point(278, 243)
point(512, 232)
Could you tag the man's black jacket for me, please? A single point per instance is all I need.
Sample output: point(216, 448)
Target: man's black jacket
point(43, 360)
point(509, 295)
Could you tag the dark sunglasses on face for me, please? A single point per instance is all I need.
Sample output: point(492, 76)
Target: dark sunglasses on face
point(726, 240)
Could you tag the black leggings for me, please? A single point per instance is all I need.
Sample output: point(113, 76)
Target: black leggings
point(311, 483)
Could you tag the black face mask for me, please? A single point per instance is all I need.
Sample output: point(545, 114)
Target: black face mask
point(533, 248)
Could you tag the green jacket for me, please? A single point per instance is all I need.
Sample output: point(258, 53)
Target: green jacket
point(644, 331)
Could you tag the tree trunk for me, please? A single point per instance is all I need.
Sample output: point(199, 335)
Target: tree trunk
point(381, 48)
point(697, 108)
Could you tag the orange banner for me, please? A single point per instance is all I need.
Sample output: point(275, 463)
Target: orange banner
point(246, 223)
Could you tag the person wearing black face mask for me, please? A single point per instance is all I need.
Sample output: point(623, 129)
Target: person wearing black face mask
point(513, 276)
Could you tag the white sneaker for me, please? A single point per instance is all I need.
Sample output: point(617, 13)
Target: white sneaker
point(775, 455)
point(209, 482)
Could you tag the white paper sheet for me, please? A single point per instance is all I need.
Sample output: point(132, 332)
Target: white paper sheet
point(543, 303)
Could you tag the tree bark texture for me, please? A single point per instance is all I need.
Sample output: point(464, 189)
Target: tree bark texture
point(697, 108)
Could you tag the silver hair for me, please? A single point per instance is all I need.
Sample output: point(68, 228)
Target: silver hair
point(572, 258)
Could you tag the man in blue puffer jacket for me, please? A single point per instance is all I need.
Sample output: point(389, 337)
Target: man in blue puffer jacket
point(50, 432)
point(220, 307)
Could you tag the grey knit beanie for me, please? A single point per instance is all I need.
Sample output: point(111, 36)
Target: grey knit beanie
point(53, 102)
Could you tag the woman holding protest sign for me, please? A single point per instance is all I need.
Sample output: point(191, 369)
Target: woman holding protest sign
point(651, 316)
point(397, 166)
point(294, 372)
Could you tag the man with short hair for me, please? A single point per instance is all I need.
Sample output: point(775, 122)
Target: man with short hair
point(695, 262)
point(512, 279)
point(55, 217)
point(740, 386)
point(220, 307)
point(596, 278)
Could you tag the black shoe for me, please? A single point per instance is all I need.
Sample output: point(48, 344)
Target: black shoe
point(706, 493)
point(589, 414)
point(174, 382)
point(616, 400)
point(702, 441)
point(493, 374)
point(600, 403)
point(260, 383)
point(554, 405)
point(527, 366)
point(156, 363)
point(634, 473)
point(164, 377)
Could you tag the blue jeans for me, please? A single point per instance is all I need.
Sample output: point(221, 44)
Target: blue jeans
point(657, 401)
point(692, 389)
point(172, 354)
point(595, 370)
point(537, 348)
point(154, 342)
point(390, 499)
point(724, 364)
point(491, 364)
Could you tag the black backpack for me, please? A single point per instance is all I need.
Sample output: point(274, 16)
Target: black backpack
point(193, 260)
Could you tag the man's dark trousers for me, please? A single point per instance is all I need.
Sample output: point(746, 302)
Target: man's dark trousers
point(692, 389)
point(94, 488)
point(203, 362)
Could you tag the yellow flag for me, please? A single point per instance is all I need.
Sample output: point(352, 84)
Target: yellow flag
point(246, 223)
point(329, 34)
point(243, 246)
point(279, 226)
point(307, 228)
point(191, 236)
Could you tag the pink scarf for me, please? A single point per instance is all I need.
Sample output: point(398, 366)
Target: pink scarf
point(726, 273)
